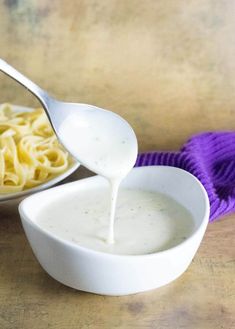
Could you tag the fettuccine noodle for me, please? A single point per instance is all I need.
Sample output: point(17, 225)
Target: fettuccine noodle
point(30, 153)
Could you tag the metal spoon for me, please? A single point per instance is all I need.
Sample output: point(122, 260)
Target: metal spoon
point(99, 139)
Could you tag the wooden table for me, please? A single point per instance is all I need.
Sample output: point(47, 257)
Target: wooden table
point(202, 298)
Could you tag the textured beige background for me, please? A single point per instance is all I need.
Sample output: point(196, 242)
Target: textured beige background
point(167, 66)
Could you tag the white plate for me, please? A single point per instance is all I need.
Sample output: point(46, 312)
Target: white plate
point(51, 182)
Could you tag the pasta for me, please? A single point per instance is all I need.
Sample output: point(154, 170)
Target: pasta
point(30, 153)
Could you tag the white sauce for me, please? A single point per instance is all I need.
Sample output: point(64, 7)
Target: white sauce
point(101, 140)
point(104, 143)
point(145, 222)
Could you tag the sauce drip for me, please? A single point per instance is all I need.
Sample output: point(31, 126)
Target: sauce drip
point(105, 144)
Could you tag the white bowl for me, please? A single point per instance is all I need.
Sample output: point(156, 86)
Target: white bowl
point(73, 166)
point(102, 273)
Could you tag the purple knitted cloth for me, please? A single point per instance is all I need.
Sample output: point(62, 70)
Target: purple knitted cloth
point(211, 158)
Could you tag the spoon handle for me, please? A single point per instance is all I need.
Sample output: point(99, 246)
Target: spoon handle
point(41, 95)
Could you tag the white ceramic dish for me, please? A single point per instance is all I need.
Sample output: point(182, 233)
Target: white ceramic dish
point(107, 274)
point(51, 182)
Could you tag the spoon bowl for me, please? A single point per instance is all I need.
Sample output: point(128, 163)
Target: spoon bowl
point(99, 139)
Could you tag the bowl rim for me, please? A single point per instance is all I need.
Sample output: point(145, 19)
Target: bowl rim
point(102, 254)
point(72, 167)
